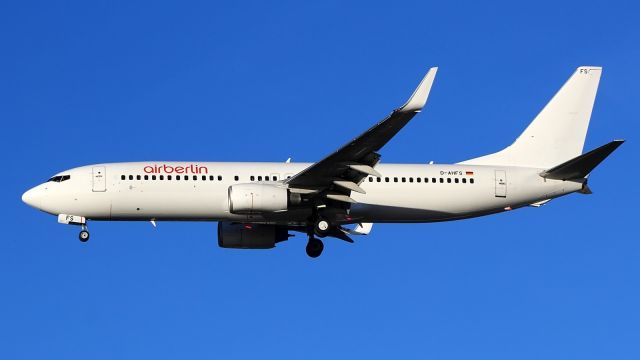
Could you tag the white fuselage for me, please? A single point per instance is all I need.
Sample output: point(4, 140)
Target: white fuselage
point(404, 193)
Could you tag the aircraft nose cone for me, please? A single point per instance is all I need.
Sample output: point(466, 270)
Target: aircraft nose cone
point(32, 197)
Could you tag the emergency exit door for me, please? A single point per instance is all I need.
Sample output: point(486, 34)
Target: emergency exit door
point(501, 183)
point(99, 178)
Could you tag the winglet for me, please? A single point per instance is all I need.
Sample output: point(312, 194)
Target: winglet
point(419, 98)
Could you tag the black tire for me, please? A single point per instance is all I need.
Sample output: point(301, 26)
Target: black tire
point(322, 227)
point(314, 247)
point(84, 236)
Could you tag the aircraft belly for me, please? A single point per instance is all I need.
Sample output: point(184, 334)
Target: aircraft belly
point(168, 205)
point(423, 206)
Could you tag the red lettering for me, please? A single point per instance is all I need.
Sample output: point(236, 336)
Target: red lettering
point(169, 169)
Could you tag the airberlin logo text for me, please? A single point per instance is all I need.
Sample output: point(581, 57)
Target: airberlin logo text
point(168, 169)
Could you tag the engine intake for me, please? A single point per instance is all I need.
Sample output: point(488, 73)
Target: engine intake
point(250, 236)
point(258, 198)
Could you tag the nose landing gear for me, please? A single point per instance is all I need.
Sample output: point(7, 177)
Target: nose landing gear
point(84, 234)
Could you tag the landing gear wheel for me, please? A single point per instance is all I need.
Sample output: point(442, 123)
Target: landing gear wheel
point(314, 247)
point(84, 236)
point(322, 227)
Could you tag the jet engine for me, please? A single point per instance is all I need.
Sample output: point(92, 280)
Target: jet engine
point(250, 236)
point(258, 198)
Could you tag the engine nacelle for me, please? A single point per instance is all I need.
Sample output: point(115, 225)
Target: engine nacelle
point(259, 198)
point(250, 236)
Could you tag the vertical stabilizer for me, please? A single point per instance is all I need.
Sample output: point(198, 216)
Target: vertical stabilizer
point(558, 133)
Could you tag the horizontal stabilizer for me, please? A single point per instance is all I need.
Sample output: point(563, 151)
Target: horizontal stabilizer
point(581, 166)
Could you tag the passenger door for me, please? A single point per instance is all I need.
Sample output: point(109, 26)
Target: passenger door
point(99, 178)
point(501, 183)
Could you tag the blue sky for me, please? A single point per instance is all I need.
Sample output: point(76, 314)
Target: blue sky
point(87, 82)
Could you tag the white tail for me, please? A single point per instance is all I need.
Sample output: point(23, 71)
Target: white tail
point(557, 134)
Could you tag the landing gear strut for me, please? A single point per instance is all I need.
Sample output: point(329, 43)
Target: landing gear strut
point(314, 247)
point(84, 234)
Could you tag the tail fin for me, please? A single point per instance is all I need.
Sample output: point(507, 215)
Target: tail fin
point(558, 133)
point(579, 167)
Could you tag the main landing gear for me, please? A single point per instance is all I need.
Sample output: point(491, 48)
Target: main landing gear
point(314, 247)
point(322, 227)
point(84, 234)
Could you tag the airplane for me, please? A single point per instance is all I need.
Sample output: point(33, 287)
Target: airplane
point(258, 204)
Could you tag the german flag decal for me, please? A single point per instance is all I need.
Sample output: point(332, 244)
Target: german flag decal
point(469, 172)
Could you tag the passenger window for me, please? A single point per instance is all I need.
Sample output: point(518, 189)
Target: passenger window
point(386, 179)
point(186, 177)
point(122, 177)
point(404, 179)
point(236, 178)
point(130, 177)
point(161, 177)
point(441, 180)
point(177, 177)
point(470, 181)
point(370, 179)
point(137, 177)
point(433, 180)
point(266, 178)
point(195, 177)
point(219, 177)
point(275, 178)
point(168, 177)
point(146, 177)
point(418, 179)
point(456, 180)
point(153, 177)
point(395, 179)
point(378, 179)
point(259, 178)
point(449, 180)
point(464, 180)
point(253, 178)
point(426, 180)
point(410, 179)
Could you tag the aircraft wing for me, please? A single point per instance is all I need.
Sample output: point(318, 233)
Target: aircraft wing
point(340, 173)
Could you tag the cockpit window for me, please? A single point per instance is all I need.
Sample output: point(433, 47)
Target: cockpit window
point(59, 178)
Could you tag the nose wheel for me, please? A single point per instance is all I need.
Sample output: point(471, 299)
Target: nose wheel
point(314, 247)
point(84, 234)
